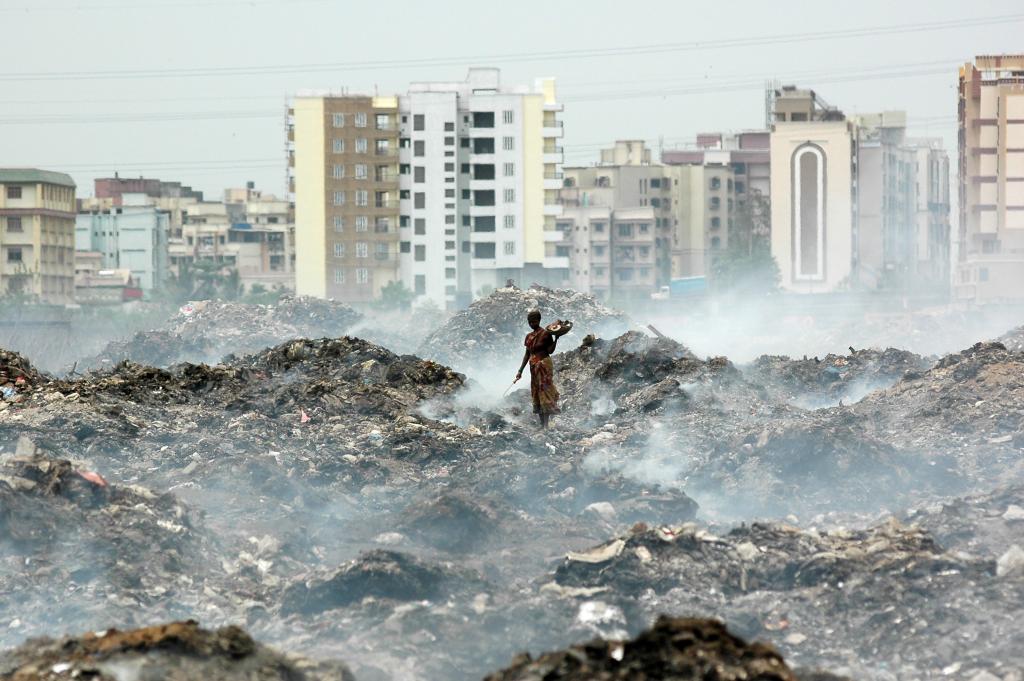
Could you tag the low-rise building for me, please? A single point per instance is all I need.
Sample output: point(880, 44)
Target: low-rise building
point(37, 234)
point(131, 238)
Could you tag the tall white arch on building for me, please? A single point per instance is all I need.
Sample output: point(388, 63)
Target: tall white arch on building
point(808, 228)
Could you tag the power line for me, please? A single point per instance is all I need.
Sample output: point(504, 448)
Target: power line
point(206, 4)
point(558, 55)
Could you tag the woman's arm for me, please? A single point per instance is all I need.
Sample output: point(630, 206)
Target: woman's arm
point(526, 358)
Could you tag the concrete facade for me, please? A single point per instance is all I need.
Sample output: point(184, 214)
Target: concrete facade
point(990, 265)
point(476, 176)
point(132, 238)
point(813, 200)
point(37, 235)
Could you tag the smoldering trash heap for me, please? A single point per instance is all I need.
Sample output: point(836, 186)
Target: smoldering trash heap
point(327, 508)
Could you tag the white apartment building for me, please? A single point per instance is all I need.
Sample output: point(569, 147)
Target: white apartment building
point(478, 174)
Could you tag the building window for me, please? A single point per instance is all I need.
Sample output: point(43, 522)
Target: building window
point(625, 275)
point(655, 183)
point(339, 198)
point(716, 183)
point(14, 224)
point(362, 197)
point(362, 249)
point(339, 275)
point(449, 193)
point(339, 223)
point(420, 253)
point(449, 219)
point(382, 250)
point(449, 245)
point(510, 221)
point(449, 126)
point(338, 146)
point(716, 242)
point(362, 276)
point(420, 226)
point(338, 171)
point(14, 254)
point(419, 174)
point(419, 148)
point(982, 274)
point(464, 142)
point(420, 284)
point(405, 247)
point(510, 169)
point(362, 145)
point(449, 167)
point(508, 143)
point(362, 223)
point(449, 273)
point(419, 200)
point(382, 147)
point(716, 222)
point(418, 122)
point(483, 250)
point(644, 227)
point(361, 171)
point(338, 120)
point(360, 119)
point(597, 226)
point(449, 141)
point(510, 248)
point(626, 229)
point(339, 250)
point(510, 196)
point(507, 116)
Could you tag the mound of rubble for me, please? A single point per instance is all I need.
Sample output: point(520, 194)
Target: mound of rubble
point(79, 550)
point(491, 330)
point(206, 331)
point(674, 649)
point(179, 650)
point(853, 601)
point(814, 382)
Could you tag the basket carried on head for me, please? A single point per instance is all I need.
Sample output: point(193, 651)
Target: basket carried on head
point(559, 328)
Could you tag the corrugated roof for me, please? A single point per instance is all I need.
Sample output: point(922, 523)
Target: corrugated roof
point(34, 175)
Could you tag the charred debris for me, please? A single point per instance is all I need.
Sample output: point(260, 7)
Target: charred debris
point(861, 514)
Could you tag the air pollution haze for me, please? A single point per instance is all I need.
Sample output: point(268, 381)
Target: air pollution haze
point(768, 425)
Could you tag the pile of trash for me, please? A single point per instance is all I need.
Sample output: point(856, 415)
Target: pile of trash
point(78, 550)
point(491, 330)
point(206, 331)
point(674, 648)
point(17, 377)
point(812, 383)
point(179, 650)
point(852, 601)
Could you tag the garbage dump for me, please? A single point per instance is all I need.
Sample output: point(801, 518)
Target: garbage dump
point(679, 649)
point(344, 502)
point(205, 331)
point(179, 650)
point(491, 330)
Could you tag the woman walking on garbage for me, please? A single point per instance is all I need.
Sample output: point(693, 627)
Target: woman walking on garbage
point(540, 343)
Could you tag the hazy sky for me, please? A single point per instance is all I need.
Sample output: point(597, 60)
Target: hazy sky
point(195, 91)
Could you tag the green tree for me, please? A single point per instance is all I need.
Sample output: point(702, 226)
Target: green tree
point(395, 296)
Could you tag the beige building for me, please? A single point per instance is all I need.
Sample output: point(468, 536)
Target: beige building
point(345, 174)
point(991, 187)
point(813, 193)
point(37, 234)
point(249, 231)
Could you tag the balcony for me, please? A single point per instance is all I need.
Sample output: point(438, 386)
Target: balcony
point(386, 152)
point(553, 210)
point(555, 236)
point(556, 262)
point(553, 155)
point(553, 129)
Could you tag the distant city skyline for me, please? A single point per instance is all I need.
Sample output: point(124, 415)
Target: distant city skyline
point(161, 89)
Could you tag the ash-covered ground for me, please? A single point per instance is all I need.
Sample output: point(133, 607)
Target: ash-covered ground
point(326, 508)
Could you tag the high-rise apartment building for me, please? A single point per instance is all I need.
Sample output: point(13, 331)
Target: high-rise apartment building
point(345, 172)
point(813, 192)
point(991, 189)
point(451, 189)
point(37, 234)
point(932, 217)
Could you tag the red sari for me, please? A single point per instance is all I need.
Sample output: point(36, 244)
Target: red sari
point(541, 344)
